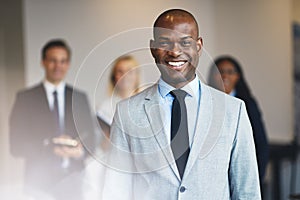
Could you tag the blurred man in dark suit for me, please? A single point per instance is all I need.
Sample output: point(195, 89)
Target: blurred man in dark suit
point(52, 128)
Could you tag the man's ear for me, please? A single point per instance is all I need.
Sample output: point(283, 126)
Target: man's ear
point(152, 48)
point(199, 44)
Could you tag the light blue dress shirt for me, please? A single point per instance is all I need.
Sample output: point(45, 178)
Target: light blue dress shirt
point(192, 101)
point(233, 93)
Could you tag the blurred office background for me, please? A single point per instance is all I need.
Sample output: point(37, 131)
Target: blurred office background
point(258, 32)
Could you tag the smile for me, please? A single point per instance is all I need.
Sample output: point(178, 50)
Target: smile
point(176, 64)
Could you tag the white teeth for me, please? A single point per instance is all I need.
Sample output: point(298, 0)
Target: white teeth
point(176, 64)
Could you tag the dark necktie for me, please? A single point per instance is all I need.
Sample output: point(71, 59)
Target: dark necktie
point(55, 113)
point(179, 130)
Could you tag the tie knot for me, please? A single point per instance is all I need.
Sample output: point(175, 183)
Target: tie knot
point(178, 94)
point(55, 93)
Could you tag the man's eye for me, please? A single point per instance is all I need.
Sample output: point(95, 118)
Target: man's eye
point(186, 43)
point(52, 60)
point(64, 61)
point(164, 43)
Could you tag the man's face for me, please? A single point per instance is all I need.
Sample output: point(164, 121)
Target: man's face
point(176, 49)
point(56, 64)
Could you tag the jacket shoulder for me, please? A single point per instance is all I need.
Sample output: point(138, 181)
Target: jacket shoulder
point(75, 91)
point(218, 96)
point(141, 96)
point(30, 92)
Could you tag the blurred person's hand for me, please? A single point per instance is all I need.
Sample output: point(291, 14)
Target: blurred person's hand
point(67, 147)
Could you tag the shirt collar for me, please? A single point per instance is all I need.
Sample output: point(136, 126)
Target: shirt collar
point(233, 93)
point(50, 88)
point(191, 88)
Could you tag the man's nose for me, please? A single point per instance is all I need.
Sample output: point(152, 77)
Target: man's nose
point(175, 50)
point(59, 63)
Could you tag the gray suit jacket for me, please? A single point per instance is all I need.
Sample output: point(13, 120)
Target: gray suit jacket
point(221, 165)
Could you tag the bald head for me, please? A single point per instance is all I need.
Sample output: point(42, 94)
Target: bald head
point(174, 17)
point(176, 46)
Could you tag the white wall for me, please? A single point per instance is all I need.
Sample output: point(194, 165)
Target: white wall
point(85, 24)
point(257, 32)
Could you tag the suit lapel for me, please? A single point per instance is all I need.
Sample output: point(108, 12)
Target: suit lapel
point(68, 103)
point(68, 121)
point(209, 122)
point(43, 110)
point(41, 93)
point(156, 121)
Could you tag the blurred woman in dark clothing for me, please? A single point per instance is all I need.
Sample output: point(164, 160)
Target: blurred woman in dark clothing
point(227, 75)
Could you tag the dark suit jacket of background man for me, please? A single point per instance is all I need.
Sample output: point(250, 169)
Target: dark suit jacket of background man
point(31, 127)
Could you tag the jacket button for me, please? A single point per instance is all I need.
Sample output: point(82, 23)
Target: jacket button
point(182, 189)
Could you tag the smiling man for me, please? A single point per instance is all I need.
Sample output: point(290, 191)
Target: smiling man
point(180, 139)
